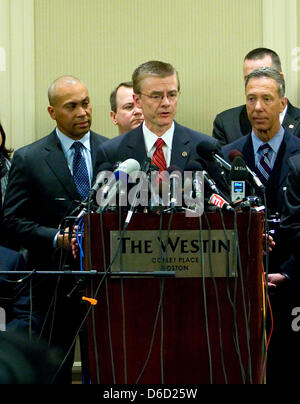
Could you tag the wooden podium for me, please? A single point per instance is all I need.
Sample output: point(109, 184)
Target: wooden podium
point(182, 329)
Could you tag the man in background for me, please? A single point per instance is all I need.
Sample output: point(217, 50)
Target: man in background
point(124, 113)
point(233, 123)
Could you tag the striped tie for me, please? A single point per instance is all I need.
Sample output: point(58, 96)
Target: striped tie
point(80, 172)
point(263, 168)
point(158, 158)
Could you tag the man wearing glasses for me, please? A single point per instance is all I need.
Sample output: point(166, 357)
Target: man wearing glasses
point(156, 88)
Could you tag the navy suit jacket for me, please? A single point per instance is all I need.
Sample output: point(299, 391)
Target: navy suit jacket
point(233, 123)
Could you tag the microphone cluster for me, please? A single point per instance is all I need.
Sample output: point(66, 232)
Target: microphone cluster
point(131, 184)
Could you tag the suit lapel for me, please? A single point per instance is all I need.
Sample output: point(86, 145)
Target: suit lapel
point(57, 163)
point(181, 147)
point(135, 146)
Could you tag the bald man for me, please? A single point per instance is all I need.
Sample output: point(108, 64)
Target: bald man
point(42, 190)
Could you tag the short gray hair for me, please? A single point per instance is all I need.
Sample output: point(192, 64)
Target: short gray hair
point(270, 73)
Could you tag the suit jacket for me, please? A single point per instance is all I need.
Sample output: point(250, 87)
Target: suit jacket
point(233, 123)
point(40, 193)
point(184, 150)
point(275, 188)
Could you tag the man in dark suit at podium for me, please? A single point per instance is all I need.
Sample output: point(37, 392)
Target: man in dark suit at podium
point(48, 179)
point(233, 123)
point(266, 150)
point(156, 89)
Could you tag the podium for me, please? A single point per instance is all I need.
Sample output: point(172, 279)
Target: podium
point(197, 319)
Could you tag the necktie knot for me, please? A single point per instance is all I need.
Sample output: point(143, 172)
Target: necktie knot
point(264, 148)
point(159, 144)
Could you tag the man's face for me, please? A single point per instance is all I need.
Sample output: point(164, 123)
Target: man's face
point(158, 100)
point(251, 65)
point(72, 110)
point(264, 107)
point(128, 115)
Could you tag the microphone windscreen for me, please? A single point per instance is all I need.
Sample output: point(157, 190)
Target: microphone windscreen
point(174, 168)
point(233, 154)
point(239, 170)
point(194, 165)
point(206, 148)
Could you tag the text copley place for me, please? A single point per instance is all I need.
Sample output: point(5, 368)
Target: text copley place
point(147, 190)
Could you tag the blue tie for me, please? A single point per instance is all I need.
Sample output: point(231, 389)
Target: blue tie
point(263, 168)
point(80, 172)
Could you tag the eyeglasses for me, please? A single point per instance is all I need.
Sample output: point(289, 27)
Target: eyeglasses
point(158, 97)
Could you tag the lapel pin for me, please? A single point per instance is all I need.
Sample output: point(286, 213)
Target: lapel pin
point(184, 154)
point(291, 126)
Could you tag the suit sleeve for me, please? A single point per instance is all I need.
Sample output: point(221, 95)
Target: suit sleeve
point(19, 216)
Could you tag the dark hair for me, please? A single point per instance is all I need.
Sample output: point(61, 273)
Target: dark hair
point(6, 152)
point(113, 95)
point(261, 53)
point(270, 73)
point(152, 68)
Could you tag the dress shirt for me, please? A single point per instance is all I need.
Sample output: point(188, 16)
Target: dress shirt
point(274, 143)
point(150, 139)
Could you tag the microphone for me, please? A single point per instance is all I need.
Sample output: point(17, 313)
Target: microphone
point(238, 175)
point(219, 202)
point(256, 180)
point(101, 176)
point(108, 192)
point(209, 149)
point(175, 186)
point(146, 168)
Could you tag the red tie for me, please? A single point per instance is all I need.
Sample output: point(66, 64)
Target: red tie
point(158, 158)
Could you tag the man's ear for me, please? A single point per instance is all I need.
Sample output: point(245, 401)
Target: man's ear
point(51, 112)
point(137, 100)
point(113, 117)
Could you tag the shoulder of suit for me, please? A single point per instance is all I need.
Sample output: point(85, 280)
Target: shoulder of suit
point(236, 144)
point(293, 111)
point(231, 111)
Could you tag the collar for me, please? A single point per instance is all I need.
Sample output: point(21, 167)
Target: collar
point(275, 142)
point(150, 137)
point(67, 142)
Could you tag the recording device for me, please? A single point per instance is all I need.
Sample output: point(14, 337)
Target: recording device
point(107, 193)
point(236, 153)
point(238, 176)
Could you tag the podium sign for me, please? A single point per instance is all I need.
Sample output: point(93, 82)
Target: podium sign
point(189, 253)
